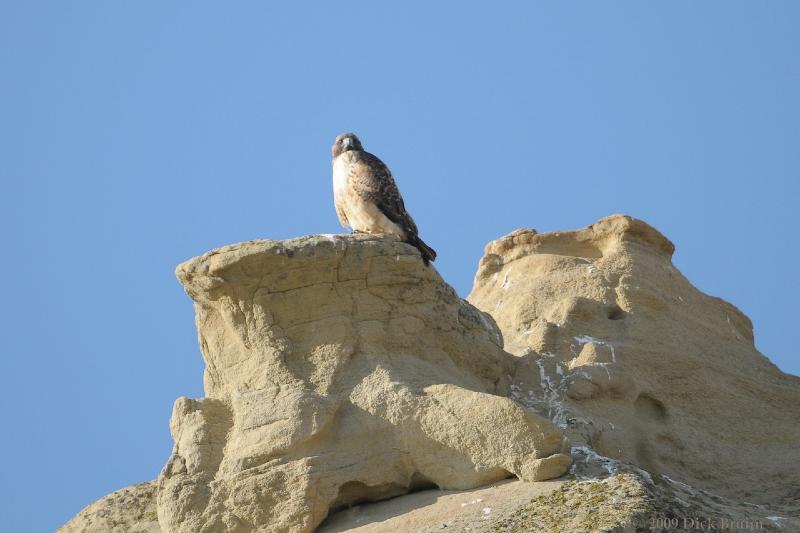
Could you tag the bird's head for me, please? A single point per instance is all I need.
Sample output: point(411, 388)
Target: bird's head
point(345, 142)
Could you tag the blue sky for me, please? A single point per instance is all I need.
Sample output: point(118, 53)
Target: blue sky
point(135, 135)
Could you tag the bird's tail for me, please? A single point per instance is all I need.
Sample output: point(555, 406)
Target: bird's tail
point(428, 253)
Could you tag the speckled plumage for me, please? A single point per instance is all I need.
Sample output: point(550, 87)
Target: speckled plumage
point(367, 198)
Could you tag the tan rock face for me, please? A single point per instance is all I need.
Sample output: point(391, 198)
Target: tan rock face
point(436, 510)
point(618, 348)
point(128, 510)
point(338, 370)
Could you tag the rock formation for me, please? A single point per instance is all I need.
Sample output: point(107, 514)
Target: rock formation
point(620, 350)
point(340, 370)
point(128, 510)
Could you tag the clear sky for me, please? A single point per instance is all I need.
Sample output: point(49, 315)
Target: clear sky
point(134, 135)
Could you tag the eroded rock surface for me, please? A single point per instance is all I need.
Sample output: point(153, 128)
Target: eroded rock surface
point(600, 495)
point(128, 510)
point(620, 350)
point(338, 370)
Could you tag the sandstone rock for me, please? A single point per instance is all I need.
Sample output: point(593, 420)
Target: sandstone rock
point(602, 495)
point(620, 350)
point(338, 370)
point(128, 510)
point(441, 510)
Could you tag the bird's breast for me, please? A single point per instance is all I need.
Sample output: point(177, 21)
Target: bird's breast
point(341, 171)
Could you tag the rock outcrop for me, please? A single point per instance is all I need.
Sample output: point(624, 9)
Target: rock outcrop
point(620, 350)
point(340, 370)
point(599, 495)
point(128, 510)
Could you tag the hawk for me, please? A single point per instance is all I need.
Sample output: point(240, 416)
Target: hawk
point(366, 196)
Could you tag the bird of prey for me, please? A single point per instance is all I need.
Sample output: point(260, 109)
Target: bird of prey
point(366, 196)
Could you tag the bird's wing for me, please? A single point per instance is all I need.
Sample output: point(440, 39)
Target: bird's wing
point(371, 179)
point(341, 214)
